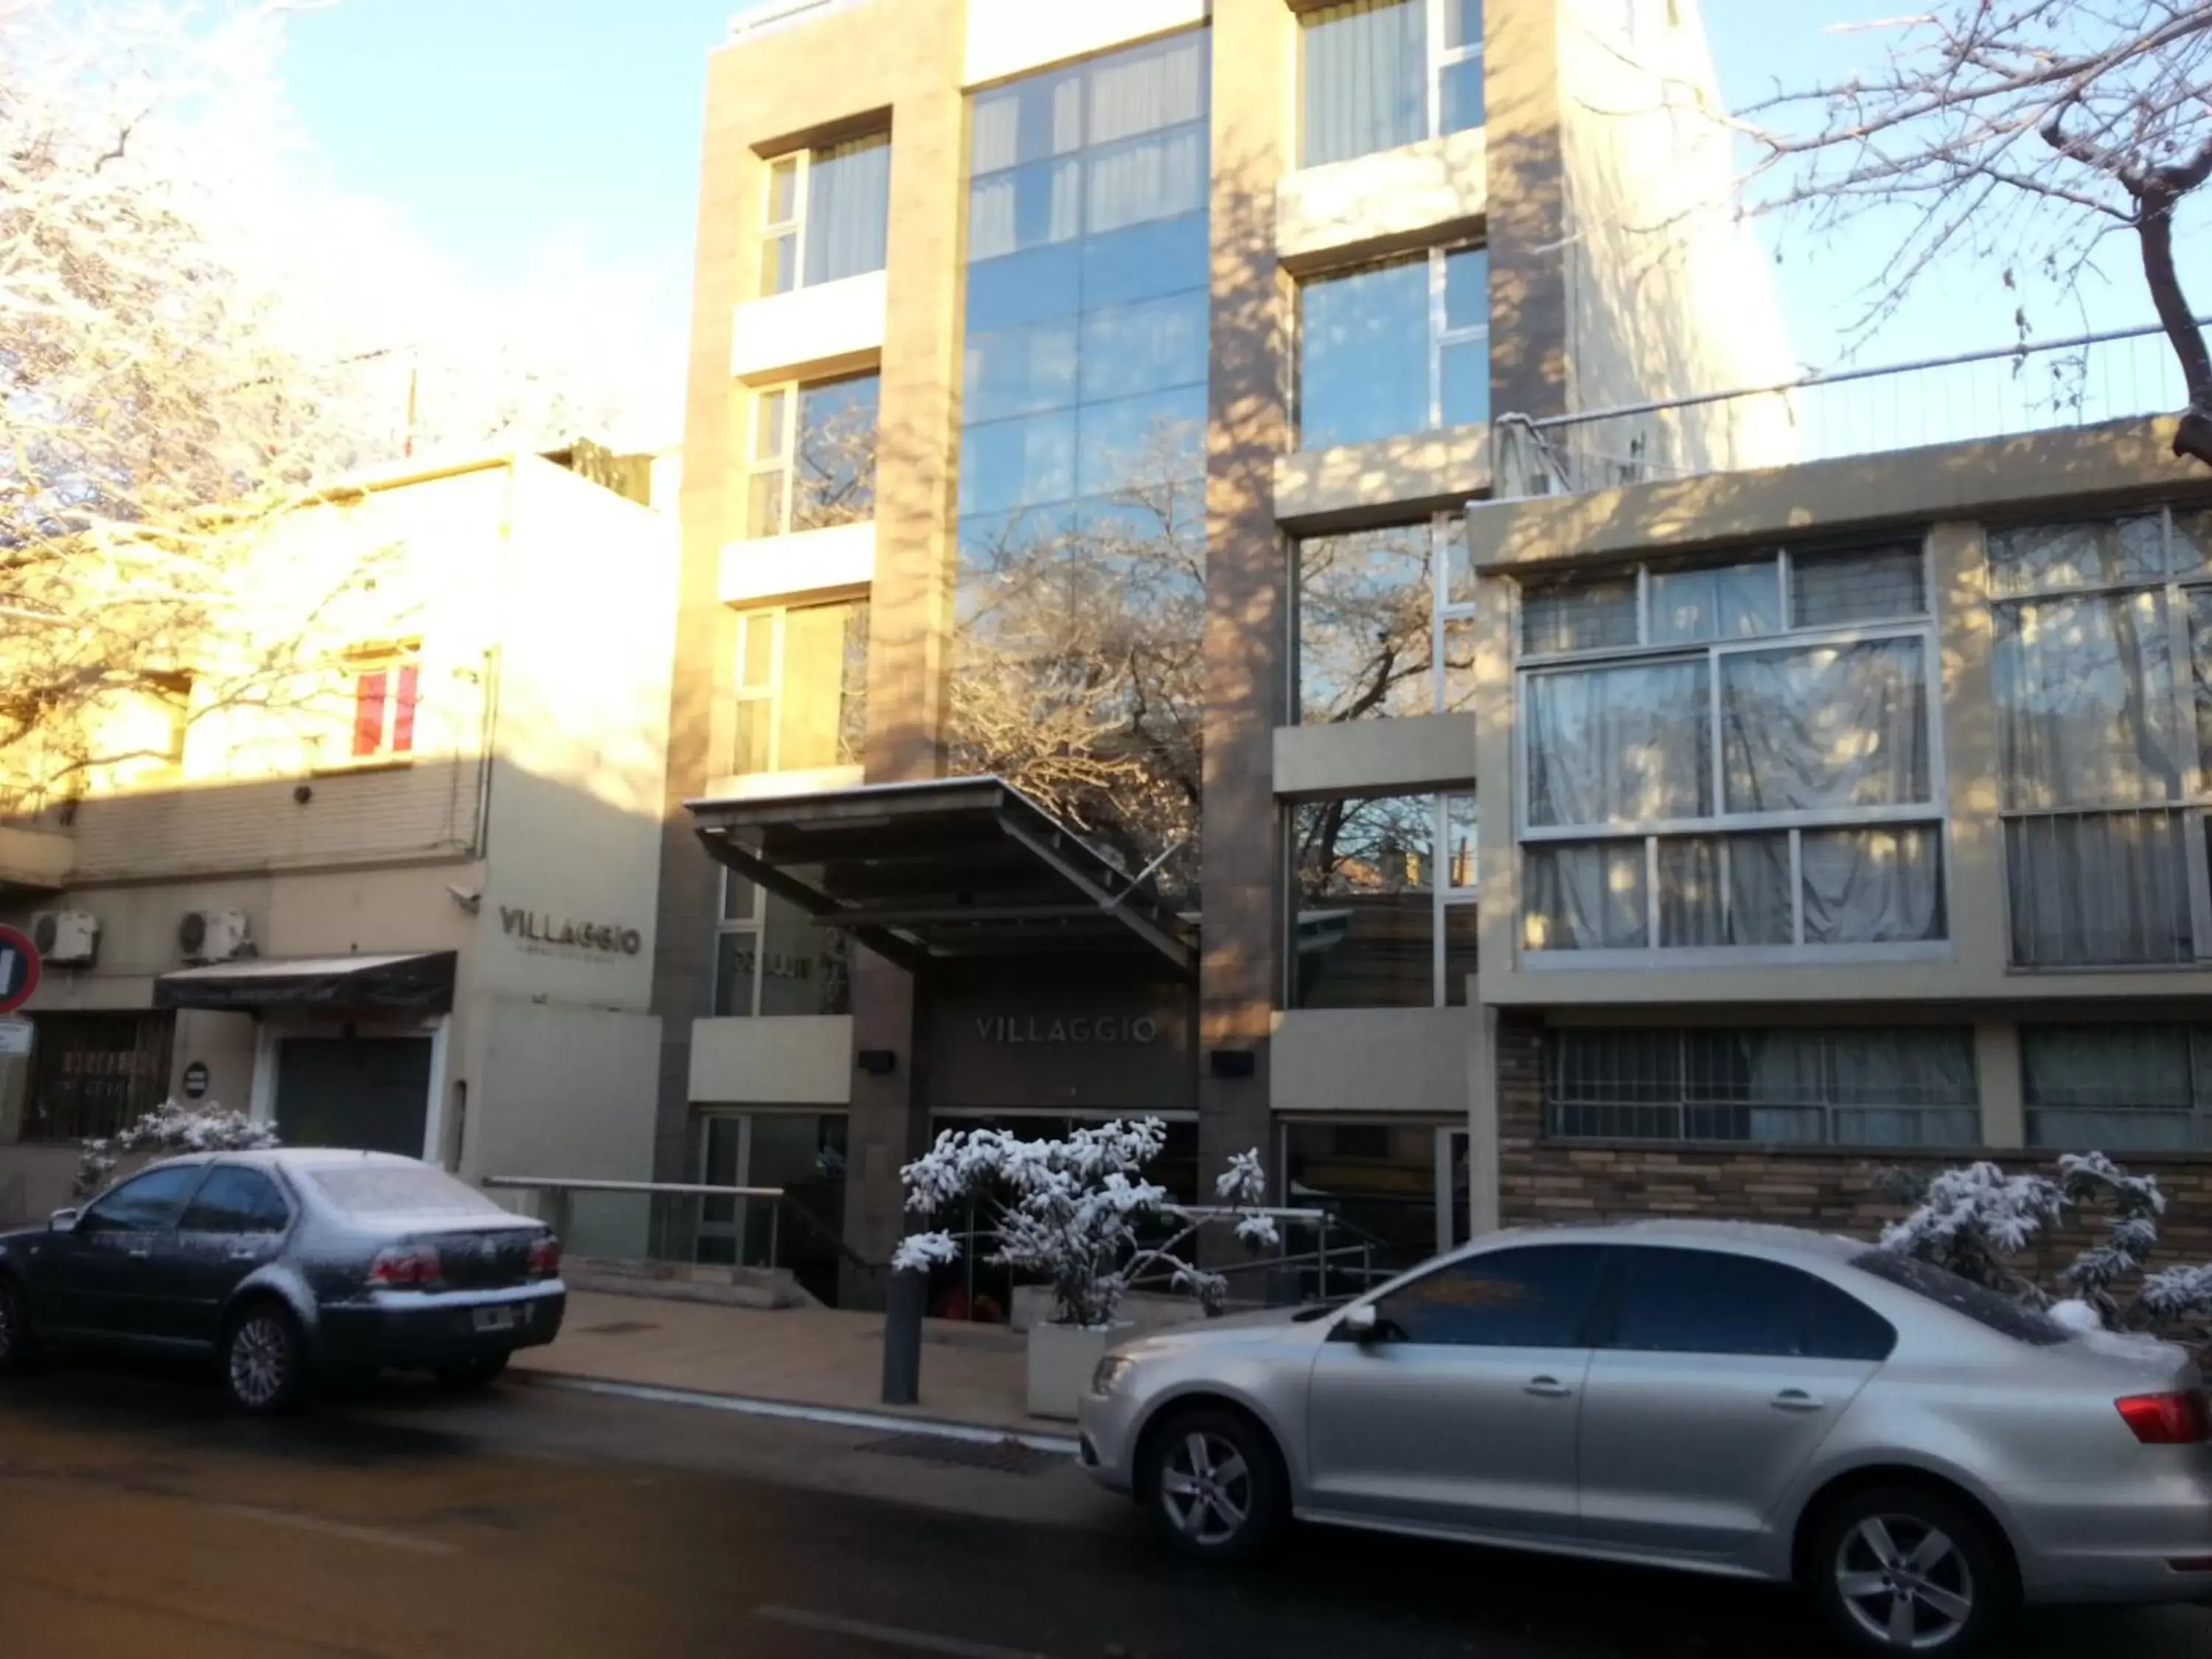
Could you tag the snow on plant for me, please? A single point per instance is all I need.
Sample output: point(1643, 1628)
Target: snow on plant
point(174, 1125)
point(1071, 1210)
point(1974, 1220)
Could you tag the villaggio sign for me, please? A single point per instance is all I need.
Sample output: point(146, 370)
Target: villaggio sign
point(537, 930)
point(1015, 1030)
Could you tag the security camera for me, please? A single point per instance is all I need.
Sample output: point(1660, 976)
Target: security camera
point(471, 902)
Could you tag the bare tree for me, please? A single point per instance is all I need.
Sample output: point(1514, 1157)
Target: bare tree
point(2023, 132)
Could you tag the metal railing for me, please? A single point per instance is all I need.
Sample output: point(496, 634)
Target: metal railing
point(676, 1218)
point(2080, 380)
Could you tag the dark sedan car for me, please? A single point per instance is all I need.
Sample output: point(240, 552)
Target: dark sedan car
point(286, 1266)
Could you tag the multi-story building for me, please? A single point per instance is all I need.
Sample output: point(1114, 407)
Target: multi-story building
point(1085, 397)
point(376, 859)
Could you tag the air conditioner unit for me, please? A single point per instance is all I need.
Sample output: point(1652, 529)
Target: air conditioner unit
point(66, 939)
point(206, 936)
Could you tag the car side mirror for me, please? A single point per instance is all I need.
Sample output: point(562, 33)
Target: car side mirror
point(62, 1221)
point(1360, 1324)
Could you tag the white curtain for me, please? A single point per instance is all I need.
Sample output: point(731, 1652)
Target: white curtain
point(1584, 896)
point(2098, 887)
point(1873, 886)
point(2085, 702)
point(1733, 602)
point(1618, 744)
point(1366, 78)
point(2089, 554)
point(1156, 178)
point(1143, 90)
point(1724, 891)
point(1828, 726)
point(848, 208)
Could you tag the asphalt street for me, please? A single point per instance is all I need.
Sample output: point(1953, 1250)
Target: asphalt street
point(138, 1518)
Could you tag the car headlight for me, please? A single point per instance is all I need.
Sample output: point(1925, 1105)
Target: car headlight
point(1111, 1369)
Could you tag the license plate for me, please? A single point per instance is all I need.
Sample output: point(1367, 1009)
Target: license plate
point(499, 1319)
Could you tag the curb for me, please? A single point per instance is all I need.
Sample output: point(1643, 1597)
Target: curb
point(979, 1434)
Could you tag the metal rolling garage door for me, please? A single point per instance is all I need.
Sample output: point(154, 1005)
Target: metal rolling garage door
point(370, 1093)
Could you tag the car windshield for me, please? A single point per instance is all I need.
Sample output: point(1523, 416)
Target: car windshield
point(2000, 1313)
point(400, 1189)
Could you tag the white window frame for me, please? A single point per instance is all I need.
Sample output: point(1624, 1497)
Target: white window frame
point(772, 693)
point(2194, 804)
point(1443, 896)
point(1440, 337)
point(727, 925)
point(1935, 813)
point(785, 459)
point(801, 162)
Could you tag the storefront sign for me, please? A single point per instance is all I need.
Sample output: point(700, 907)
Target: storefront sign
point(1011, 1030)
point(541, 931)
point(196, 1080)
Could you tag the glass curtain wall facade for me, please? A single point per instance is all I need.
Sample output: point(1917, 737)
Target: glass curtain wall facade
point(1083, 445)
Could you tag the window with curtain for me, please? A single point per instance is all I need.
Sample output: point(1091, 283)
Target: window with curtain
point(2135, 1088)
point(2101, 667)
point(1397, 346)
point(1383, 902)
point(825, 214)
point(1730, 757)
point(1782, 1085)
point(1375, 638)
point(1377, 74)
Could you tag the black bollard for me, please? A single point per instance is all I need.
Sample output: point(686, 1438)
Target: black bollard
point(902, 1310)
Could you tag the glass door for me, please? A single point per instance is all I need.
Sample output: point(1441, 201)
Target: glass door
point(1455, 1210)
point(721, 1162)
point(801, 1152)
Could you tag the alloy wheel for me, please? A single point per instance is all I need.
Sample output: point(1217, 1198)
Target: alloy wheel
point(1905, 1582)
point(1207, 1488)
point(260, 1360)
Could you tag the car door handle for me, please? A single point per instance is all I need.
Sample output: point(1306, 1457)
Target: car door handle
point(1796, 1400)
point(1547, 1388)
point(140, 1252)
point(242, 1253)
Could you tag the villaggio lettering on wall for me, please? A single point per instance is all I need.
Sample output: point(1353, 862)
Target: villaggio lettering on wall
point(535, 930)
point(1013, 1030)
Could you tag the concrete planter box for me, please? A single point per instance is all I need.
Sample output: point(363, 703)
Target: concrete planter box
point(1062, 1359)
point(1032, 1307)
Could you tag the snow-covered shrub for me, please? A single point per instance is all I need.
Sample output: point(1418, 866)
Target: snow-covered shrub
point(1976, 1220)
point(1071, 1210)
point(174, 1125)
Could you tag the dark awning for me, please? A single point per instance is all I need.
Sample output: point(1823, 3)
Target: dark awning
point(932, 872)
point(421, 981)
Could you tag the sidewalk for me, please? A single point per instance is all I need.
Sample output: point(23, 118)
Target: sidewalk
point(974, 1375)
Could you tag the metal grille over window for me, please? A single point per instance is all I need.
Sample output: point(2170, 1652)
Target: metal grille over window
point(2102, 670)
point(2118, 1088)
point(1731, 760)
point(1895, 1087)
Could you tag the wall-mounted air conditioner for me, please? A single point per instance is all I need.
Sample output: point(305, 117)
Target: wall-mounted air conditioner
point(205, 936)
point(66, 939)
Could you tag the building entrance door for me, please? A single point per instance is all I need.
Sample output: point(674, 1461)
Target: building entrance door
point(801, 1152)
point(367, 1094)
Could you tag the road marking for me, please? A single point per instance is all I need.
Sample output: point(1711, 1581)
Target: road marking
point(890, 1636)
point(378, 1535)
point(835, 1416)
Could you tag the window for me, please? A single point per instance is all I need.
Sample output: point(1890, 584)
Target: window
point(1403, 346)
point(1707, 1301)
point(1382, 73)
point(1536, 1297)
point(1384, 902)
point(771, 957)
point(2118, 1088)
point(825, 214)
point(1373, 620)
point(1848, 1086)
point(385, 692)
point(1730, 759)
point(802, 687)
point(232, 1199)
point(813, 458)
point(2102, 670)
point(147, 1204)
point(92, 1073)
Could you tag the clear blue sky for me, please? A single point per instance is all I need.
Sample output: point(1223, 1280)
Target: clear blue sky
point(500, 127)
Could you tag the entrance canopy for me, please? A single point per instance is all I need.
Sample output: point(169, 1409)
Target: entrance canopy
point(943, 871)
point(420, 981)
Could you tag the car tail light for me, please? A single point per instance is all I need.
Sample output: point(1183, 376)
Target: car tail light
point(407, 1268)
point(544, 1257)
point(2168, 1419)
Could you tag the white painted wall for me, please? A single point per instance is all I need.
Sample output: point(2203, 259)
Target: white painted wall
point(1370, 1059)
point(1012, 37)
point(823, 330)
point(775, 1060)
point(765, 568)
point(1339, 210)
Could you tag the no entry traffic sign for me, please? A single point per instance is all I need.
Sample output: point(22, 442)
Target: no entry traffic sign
point(19, 968)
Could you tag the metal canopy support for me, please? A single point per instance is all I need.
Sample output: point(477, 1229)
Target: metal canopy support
point(723, 848)
point(1173, 949)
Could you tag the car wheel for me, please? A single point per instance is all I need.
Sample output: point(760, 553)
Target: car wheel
point(473, 1374)
point(264, 1363)
point(1905, 1570)
point(17, 1348)
point(1214, 1484)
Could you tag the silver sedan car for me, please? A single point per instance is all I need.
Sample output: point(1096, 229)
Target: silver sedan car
point(1920, 1454)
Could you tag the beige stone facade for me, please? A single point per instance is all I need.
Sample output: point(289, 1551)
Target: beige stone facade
point(457, 763)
